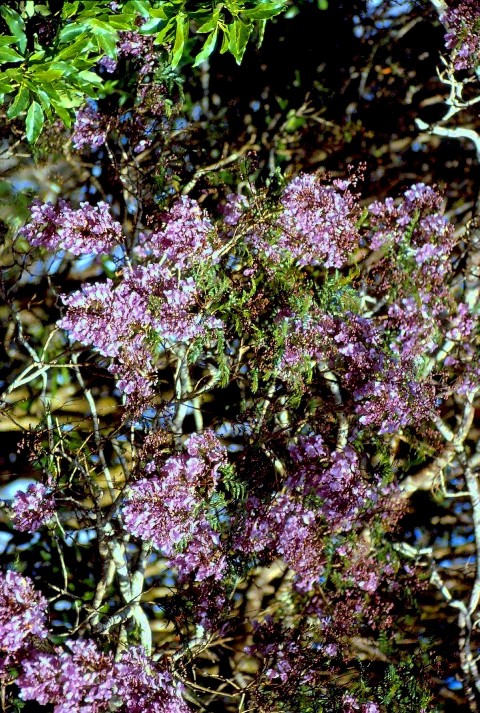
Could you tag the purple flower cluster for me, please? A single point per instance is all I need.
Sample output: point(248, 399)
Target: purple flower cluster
point(324, 492)
point(82, 679)
point(89, 129)
point(136, 128)
point(322, 337)
point(111, 320)
point(22, 611)
point(203, 555)
point(419, 214)
point(395, 401)
point(75, 681)
point(378, 358)
point(234, 208)
point(133, 45)
point(33, 509)
point(318, 223)
point(352, 705)
point(420, 245)
point(187, 238)
point(463, 33)
point(166, 508)
point(285, 528)
point(410, 278)
point(361, 569)
point(119, 321)
point(338, 484)
point(89, 230)
point(145, 686)
point(387, 391)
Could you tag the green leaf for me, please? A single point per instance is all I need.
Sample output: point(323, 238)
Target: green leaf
point(5, 86)
point(34, 122)
point(122, 22)
point(159, 14)
point(62, 113)
point(150, 26)
point(20, 103)
point(207, 48)
point(70, 97)
point(239, 36)
point(164, 33)
point(97, 24)
point(48, 75)
point(8, 54)
point(144, 8)
point(76, 49)
point(107, 42)
point(225, 40)
point(91, 78)
point(7, 40)
point(44, 98)
point(264, 11)
point(72, 31)
point(16, 26)
point(182, 25)
point(261, 25)
point(69, 9)
point(36, 57)
point(211, 23)
point(50, 91)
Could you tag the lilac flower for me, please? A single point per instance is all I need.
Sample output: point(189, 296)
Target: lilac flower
point(318, 223)
point(33, 508)
point(308, 449)
point(389, 219)
point(337, 481)
point(133, 45)
point(203, 555)
point(463, 33)
point(207, 446)
point(165, 509)
point(103, 316)
point(109, 65)
point(74, 681)
point(119, 321)
point(82, 679)
point(321, 338)
point(41, 679)
point(148, 516)
point(352, 705)
point(145, 686)
point(395, 401)
point(297, 541)
point(90, 127)
point(22, 611)
point(324, 492)
point(188, 237)
point(87, 230)
point(234, 208)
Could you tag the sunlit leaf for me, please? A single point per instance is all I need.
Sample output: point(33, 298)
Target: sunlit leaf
point(20, 103)
point(34, 122)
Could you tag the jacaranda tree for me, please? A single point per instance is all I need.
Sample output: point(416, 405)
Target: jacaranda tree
point(228, 392)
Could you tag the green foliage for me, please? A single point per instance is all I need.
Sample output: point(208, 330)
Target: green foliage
point(233, 20)
point(14, 209)
point(47, 73)
point(236, 489)
point(401, 690)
